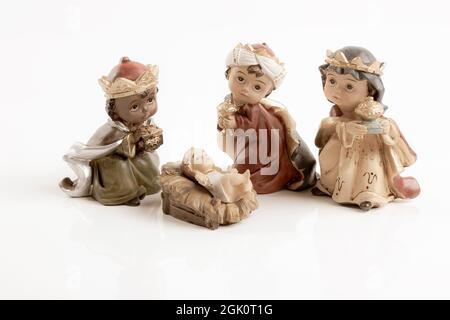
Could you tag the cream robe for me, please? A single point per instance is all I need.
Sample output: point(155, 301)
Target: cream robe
point(355, 169)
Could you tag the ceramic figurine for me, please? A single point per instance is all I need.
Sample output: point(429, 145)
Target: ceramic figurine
point(362, 153)
point(258, 133)
point(197, 191)
point(227, 186)
point(119, 164)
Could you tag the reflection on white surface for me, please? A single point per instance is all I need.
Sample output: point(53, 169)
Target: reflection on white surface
point(294, 246)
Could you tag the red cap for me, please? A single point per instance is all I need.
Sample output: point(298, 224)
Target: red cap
point(128, 69)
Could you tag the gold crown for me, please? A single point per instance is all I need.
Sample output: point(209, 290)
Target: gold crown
point(338, 59)
point(122, 87)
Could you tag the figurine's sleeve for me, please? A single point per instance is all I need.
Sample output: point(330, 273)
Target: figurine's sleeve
point(393, 137)
point(105, 135)
point(399, 144)
point(326, 130)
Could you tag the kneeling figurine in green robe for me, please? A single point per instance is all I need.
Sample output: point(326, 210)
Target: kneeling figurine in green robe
point(119, 164)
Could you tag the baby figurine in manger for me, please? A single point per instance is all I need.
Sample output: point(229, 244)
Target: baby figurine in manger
point(199, 192)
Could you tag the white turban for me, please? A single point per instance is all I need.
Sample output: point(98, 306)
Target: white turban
point(247, 56)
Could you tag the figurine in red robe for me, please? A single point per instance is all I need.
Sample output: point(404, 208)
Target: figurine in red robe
point(258, 133)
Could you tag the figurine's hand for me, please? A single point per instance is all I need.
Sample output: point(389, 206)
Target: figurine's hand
point(229, 122)
point(355, 128)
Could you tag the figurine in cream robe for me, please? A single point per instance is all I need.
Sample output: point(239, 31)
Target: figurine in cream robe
point(362, 153)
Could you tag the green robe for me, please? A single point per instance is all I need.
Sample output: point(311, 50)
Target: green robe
point(124, 174)
point(109, 169)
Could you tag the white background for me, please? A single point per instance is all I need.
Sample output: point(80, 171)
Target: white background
point(294, 245)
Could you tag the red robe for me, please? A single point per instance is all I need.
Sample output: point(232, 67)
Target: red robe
point(258, 117)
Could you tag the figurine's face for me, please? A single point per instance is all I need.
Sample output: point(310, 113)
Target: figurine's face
point(345, 91)
point(246, 87)
point(137, 108)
